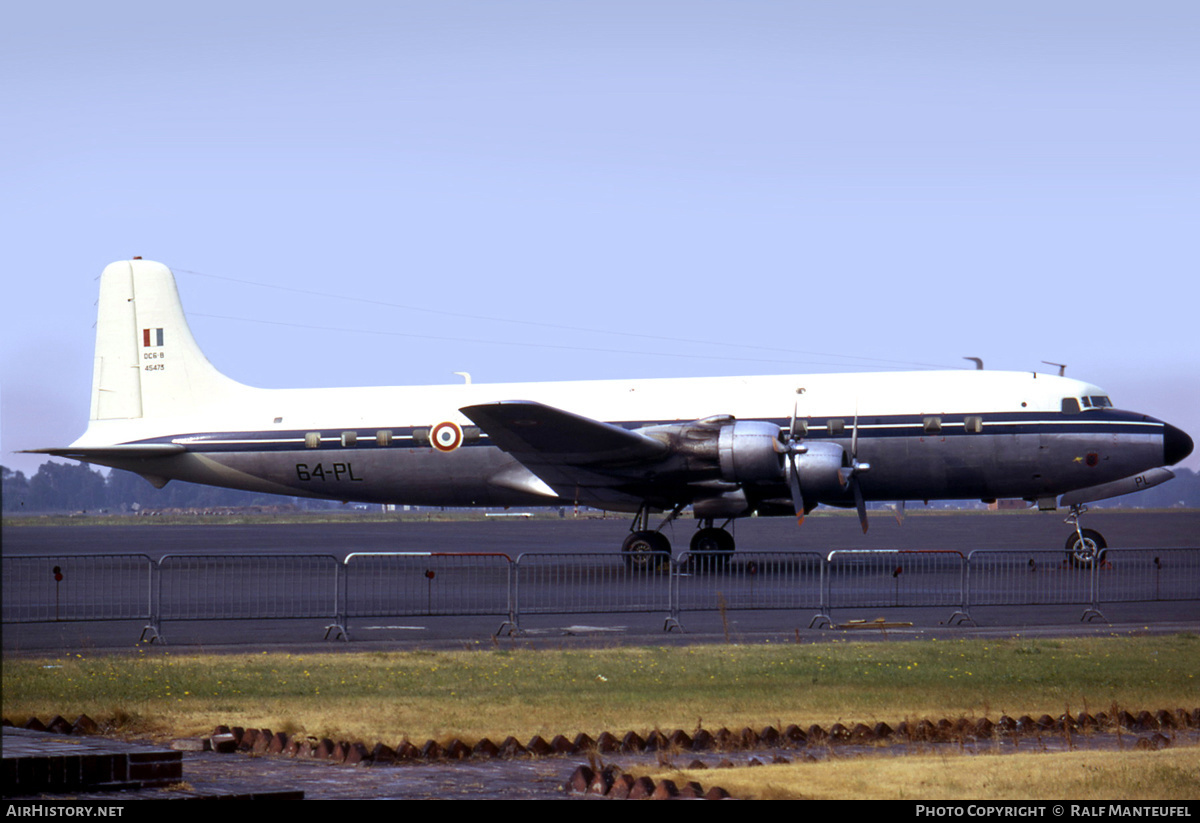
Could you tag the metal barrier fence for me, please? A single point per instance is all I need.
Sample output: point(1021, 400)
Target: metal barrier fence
point(1028, 578)
point(65, 588)
point(891, 578)
point(244, 587)
point(380, 584)
point(272, 586)
point(592, 583)
point(710, 581)
point(1148, 575)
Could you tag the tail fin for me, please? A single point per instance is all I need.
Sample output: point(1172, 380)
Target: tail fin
point(147, 362)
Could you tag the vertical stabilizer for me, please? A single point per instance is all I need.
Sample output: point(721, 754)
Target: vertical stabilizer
point(147, 362)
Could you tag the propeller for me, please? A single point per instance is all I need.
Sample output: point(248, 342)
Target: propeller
point(791, 448)
point(848, 475)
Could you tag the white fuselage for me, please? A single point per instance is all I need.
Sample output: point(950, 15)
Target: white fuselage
point(161, 409)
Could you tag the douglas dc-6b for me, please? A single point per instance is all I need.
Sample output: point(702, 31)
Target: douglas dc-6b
point(728, 447)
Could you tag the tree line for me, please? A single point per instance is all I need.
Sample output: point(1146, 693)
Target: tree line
point(73, 487)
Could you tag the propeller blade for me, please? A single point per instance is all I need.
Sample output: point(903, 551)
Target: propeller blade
point(861, 505)
point(794, 486)
point(792, 448)
point(854, 436)
point(900, 513)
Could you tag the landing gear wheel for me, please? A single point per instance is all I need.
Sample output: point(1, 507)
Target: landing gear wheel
point(1083, 553)
point(711, 548)
point(648, 550)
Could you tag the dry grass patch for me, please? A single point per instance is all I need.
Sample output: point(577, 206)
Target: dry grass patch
point(1169, 774)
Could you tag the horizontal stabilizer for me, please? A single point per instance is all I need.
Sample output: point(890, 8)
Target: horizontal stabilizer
point(133, 450)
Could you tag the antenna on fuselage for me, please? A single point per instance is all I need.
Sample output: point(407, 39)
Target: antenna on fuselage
point(977, 361)
point(466, 376)
point(1062, 368)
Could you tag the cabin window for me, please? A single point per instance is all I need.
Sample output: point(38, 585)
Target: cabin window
point(800, 429)
point(1070, 405)
point(312, 440)
point(973, 424)
point(349, 439)
point(836, 426)
point(933, 425)
point(470, 434)
point(383, 437)
point(421, 436)
point(278, 419)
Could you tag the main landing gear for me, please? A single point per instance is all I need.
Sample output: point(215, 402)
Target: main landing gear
point(1084, 546)
point(710, 539)
point(711, 547)
point(646, 548)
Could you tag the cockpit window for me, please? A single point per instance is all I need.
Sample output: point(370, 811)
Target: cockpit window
point(1099, 401)
point(1070, 405)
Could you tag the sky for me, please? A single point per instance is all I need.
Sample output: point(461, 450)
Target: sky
point(385, 193)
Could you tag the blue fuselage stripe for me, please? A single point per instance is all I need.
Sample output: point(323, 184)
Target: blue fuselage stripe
point(872, 427)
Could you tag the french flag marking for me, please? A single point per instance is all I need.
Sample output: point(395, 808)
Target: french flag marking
point(152, 338)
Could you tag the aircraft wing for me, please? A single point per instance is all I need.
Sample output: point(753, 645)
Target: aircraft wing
point(572, 454)
point(540, 433)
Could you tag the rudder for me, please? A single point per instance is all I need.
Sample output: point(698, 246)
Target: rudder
point(147, 362)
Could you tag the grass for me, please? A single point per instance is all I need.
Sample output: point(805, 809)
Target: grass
point(1169, 774)
point(495, 692)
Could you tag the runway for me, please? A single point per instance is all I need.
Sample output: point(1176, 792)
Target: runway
point(512, 536)
point(1028, 533)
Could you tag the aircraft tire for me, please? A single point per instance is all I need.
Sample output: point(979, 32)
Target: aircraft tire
point(1082, 553)
point(646, 550)
point(711, 548)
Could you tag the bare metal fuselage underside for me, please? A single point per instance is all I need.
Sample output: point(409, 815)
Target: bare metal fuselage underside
point(1030, 457)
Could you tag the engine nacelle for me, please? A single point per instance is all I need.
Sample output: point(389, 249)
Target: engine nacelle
point(750, 451)
point(820, 469)
point(726, 504)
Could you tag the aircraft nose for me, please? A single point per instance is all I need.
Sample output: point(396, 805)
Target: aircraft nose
point(1176, 444)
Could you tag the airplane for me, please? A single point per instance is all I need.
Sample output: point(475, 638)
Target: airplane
point(728, 447)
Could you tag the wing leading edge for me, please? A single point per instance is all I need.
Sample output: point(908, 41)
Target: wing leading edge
point(574, 455)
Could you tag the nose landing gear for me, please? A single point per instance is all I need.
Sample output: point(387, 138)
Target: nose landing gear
point(1085, 547)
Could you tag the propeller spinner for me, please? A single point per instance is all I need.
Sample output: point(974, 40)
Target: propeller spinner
point(793, 447)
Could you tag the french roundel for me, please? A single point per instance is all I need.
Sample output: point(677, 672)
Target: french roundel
point(446, 437)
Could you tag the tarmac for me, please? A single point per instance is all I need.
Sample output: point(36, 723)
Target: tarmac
point(49, 768)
